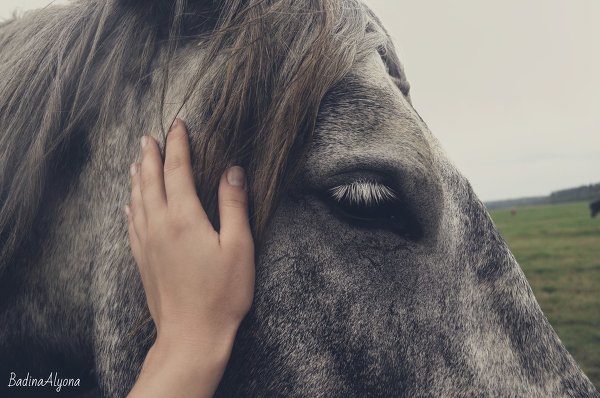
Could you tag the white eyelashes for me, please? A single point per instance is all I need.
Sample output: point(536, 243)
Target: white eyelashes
point(362, 192)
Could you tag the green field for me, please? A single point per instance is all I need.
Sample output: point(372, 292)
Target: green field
point(558, 247)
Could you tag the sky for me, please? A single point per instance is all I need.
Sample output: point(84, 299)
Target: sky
point(511, 89)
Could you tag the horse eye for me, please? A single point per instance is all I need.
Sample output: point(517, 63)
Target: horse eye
point(372, 204)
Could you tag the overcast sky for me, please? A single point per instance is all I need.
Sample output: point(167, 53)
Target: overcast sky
point(511, 88)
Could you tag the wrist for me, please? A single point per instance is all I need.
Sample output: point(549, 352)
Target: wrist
point(183, 365)
point(199, 348)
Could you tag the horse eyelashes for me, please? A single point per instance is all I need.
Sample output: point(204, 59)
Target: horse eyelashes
point(362, 193)
point(370, 204)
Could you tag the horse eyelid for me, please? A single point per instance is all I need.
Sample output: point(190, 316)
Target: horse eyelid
point(362, 192)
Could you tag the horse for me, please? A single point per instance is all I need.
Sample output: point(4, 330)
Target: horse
point(594, 208)
point(378, 270)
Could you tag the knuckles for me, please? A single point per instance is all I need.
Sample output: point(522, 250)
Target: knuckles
point(177, 226)
point(181, 219)
point(172, 165)
point(235, 202)
point(147, 181)
point(136, 209)
point(239, 248)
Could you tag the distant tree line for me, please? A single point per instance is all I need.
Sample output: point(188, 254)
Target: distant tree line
point(584, 192)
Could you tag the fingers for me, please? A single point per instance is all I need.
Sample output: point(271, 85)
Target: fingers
point(136, 250)
point(179, 181)
point(152, 184)
point(235, 230)
point(182, 198)
point(157, 188)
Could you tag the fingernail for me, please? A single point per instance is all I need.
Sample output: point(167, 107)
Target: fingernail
point(133, 169)
point(235, 177)
point(174, 124)
point(144, 141)
point(127, 210)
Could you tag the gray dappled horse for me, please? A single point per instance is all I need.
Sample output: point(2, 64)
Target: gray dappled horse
point(379, 272)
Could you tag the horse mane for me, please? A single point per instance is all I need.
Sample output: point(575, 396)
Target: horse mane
point(64, 69)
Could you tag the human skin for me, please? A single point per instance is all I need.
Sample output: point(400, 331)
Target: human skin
point(199, 283)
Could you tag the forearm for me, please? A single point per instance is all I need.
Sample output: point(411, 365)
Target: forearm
point(182, 368)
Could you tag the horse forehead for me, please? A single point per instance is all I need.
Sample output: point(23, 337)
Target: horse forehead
point(366, 119)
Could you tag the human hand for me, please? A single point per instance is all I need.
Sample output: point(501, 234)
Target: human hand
point(199, 283)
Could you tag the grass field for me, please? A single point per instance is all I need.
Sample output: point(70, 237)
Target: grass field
point(558, 247)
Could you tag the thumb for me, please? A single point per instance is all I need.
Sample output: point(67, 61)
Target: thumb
point(235, 229)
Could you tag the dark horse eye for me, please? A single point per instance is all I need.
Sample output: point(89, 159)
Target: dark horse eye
point(372, 204)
